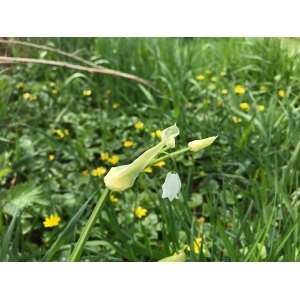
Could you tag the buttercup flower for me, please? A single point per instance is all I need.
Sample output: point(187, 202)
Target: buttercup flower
point(239, 89)
point(114, 159)
point(224, 92)
point(171, 186)
point(223, 73)
point(139, 125)
point(260, 107)
point(51, 156)
point(244, 105)
point(113, 198)
point(236, 119)
point(197, 246)
point(160, 164)
point(86, 93)
point(52, 221)
point(140, 212)
point(121, 178)
point(200, 77)
point(99, 171)
point(200, 144)
point(104, 155)
point(148, 170)
point(281, 93)
point(128, 144)
point(213, 79)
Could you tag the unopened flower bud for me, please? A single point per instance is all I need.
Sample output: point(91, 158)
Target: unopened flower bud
point(200, 144)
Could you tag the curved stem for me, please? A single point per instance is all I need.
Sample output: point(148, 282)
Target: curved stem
point(88, 227)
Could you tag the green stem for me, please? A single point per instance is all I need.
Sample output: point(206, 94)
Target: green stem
point(153, 162)
point(88, 227)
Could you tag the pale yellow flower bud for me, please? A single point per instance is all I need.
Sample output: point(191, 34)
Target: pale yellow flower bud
point(200, 144)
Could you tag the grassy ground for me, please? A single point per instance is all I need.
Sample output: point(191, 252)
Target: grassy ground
point(239, 199)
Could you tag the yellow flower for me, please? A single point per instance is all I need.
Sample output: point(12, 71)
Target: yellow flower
point(59, 133)
point(85, 172)
point(239, 89)
point(32, 97)
point(152, 134)
point(51, 156)
point(26, 95)
point(158, 133)
point(201, 173)
point(104, 155)
point(206, 101)
point(214, 79)
point(66, 131)
point(99, 171)
point(148, 170)
point(160, 164)
point(260, 107)
point(197, 246)
point(51, 84)
point(114, 159)
point(200, 77)
point(140, 212)
point(207, 72)
point(244, 105)
point(113, 198)
point(219, 103)
point(54, 92)
point(19, 85)
point(236, 120)
point(211, 86)
point(223, 73)
point(263, 88)
point(86, 93)
point(116, 105)
point(201, 220)
point(280, 93)
point(224, 92)
point(128, 144)
point(139, 125)
point(52, 221)
point(107, 92)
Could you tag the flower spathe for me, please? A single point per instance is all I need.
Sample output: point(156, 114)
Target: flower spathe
point(200, 144)
point(171, 186)
point(121, 178)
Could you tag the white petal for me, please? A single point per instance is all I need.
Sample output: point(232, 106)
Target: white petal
point(171, 186)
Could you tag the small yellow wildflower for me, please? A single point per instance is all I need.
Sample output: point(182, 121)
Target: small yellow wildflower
point(153, 134)
point(108, 92)
point(201, 220)
point(104, 155)
point(85, 172)
point(66, 131)
point(219, 103)
point(244, 105)
point(236, 120)
point(189, 104)
point(113, 199)
point(116, 105)
point(206, 101)
point(51, 157)
point(263, 88)
point(211, 87)
point(224, 92)
point(260, 107)
point(213, 79)
point(86, 93)
point(59, 133)
point(140, 212)
point(26, 95)
point(197, 246)
point(280, 93)
point(148, 170)
point(200, 77)
point(114, 159)
point(208, 72)
point(160, 164)
point(52, 221)
point(229, 224)
point(158, 133)
point(32, 97)
point(201, 173)
point(19, 85)
point(99, 171)
point(223, 73)
point(52, 84)
point(128, 144)
point(54, 92)
point(139, 125)
point(239, 90)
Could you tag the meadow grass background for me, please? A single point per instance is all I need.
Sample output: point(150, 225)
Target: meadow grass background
point(241, 195)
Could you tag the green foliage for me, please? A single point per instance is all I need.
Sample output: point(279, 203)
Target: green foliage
point(240, 196)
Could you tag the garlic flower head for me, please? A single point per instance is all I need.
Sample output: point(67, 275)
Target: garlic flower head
point(200, 144)
point(171, 186)
point(121, 178)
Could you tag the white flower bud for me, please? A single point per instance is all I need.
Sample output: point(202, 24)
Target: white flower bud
point(200, 144)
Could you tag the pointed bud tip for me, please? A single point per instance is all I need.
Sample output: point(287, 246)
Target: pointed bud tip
point(200, 144)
